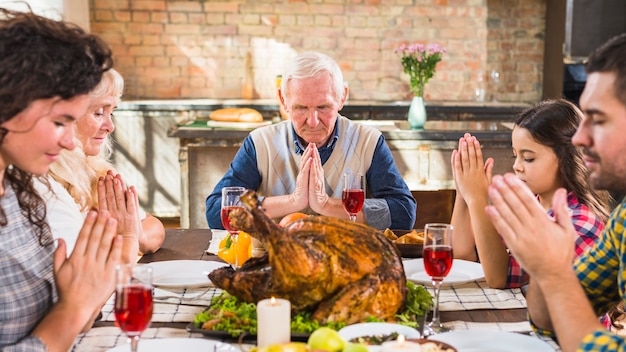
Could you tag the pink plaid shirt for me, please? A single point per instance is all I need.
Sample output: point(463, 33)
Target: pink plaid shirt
point(587, 225)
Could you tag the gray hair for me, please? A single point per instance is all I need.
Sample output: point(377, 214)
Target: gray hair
point(111, 84)
point(310, 64)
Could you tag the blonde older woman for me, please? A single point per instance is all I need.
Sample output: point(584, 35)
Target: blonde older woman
point(83, 179)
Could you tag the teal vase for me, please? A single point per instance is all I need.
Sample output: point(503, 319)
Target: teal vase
point(417, 113)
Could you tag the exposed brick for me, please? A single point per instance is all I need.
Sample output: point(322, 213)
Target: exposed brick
point(206, 41)
point(144, 61)
point(141, 16)
point(362, 32)
point(122, 16)
point(322, 21)
point(286, 20)
point(188, 50)
point(221, 6)
point(304, 20)
point(178, 17)
point(105, 27)
point(254, 30)
point(257, 7)
point(320, 43)
point(146, 50)
point(184, 6)
point(113, 38)
point(147, 4)
point(357, 21)
point(111, 4)
point(197, 18)
point(292, 8)
point(179, 60)
point(145, 28)
point(159, 16)
point(103, 15)
point(160, 61)
point(251, 19)
point(221, 30)
point(215, 18)
point(151, 39)
point(133, 39)
point(182, 28)
point(328, 9)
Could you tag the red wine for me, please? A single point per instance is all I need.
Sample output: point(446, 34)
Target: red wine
point(437, 261)
point(226, 221)
point(133, 308)
point(352, 200)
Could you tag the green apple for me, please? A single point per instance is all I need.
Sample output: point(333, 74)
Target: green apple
point(326, 339)
point(355, 347)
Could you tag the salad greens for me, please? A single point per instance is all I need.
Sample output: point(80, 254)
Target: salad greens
point(227, 313)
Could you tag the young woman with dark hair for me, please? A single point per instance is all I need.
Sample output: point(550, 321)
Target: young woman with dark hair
point(47, 69)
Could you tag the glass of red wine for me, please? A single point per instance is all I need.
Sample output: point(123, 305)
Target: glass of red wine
point(133, 300)
point(353, 194)
point(230, 202)
point(437, 255)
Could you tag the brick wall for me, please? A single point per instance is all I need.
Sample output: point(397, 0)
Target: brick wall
point(200, 49)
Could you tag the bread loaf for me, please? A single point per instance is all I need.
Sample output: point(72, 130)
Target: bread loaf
point(236, 115)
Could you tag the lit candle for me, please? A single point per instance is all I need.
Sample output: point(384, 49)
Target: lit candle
point(400, 345)
point(273, 321)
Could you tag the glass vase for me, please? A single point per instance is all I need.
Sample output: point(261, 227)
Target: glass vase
point(417, 113)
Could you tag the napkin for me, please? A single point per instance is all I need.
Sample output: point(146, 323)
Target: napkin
point(478, 295)
point(180, 305)
point(216, 237)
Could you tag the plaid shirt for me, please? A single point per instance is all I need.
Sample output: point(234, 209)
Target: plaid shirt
point(27, 289)
point(602, 274)
point(587, 225)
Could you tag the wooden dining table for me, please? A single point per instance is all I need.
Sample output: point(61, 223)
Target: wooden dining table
point(192, 244)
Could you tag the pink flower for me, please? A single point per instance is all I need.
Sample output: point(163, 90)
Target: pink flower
point(419, 62)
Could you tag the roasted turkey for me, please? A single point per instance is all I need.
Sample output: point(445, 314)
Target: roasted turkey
point(339, 270)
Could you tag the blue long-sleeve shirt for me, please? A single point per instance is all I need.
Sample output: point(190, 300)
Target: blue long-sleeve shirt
point(384, 183)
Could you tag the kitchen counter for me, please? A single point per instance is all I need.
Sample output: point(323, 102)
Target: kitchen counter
point(192, 109)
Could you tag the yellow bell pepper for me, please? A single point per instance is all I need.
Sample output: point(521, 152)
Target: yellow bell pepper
point(239, 249)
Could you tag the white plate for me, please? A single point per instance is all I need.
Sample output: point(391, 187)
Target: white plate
point(369, 329)
point(237, 125)
point(462, 271)
point(178, 344)
point(183, 273)
point(486, 341)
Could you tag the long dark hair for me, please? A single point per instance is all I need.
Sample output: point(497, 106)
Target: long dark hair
point(553, 123)
point(42, 58)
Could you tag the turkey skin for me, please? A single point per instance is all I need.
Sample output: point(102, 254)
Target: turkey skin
point(339, 270)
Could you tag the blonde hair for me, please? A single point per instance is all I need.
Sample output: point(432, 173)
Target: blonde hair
point(79, 173)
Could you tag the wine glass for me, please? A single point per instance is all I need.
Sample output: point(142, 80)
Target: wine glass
point(353, 194)
point(437, 255)
point(230, 202)
point(133, 300)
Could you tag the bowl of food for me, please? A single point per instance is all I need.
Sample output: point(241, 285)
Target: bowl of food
point(428, 345)
point(375, 334)
point(409, 243)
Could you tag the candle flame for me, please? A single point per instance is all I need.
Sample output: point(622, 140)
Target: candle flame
point(273, 301)
point(401, 339)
